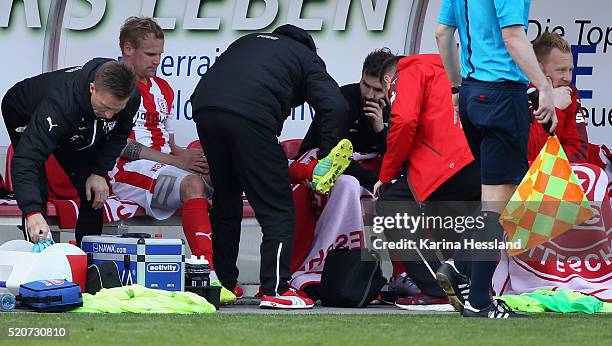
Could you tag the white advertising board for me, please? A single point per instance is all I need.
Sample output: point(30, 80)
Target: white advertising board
point(198, 31)
point(41, 35)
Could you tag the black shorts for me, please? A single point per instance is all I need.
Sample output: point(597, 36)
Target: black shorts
point(495, 119)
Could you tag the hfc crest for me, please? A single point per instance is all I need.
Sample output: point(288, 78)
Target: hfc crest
point(162, 105)
point(108, 126)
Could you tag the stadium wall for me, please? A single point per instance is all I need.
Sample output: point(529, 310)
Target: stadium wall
point(42, 35)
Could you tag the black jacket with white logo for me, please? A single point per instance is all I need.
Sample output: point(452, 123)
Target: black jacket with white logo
point(260, 77)
point(58, 107)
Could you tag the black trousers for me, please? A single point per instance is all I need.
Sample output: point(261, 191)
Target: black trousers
point(419, 265)
point(366, 178)
point(246, 156)
point(74, 163)
point(76, 166)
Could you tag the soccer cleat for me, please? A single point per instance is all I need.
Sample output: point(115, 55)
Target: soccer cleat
point(497, 309)
point(455, 284)
point(288, 300)
point(329, 168)
point(227, 296)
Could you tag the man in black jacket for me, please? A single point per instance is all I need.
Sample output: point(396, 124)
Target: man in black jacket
point(367, 122)
point(82, 115)
point(239, 107)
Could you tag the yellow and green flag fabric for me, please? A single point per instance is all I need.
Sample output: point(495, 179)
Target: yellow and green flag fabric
point(548, 202)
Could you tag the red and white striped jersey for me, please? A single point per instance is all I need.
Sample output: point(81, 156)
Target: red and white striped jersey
point(153, 122)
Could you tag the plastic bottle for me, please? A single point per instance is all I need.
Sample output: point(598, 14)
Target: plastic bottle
point(206, 267)
point(122, 228)
point(7, 302)
point(197, 272)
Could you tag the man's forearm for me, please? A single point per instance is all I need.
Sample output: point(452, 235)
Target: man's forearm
point(137, 151)
point(522, 53)
point(132, 150)
point(447, 46)
point(26, 185)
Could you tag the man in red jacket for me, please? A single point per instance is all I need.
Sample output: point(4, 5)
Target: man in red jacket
point(556, 61)
point(428, 159)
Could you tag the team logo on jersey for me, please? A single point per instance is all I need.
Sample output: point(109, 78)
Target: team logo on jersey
point(162, 105)
point(108, 126)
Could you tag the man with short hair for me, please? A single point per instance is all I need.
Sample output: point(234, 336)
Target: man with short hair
point(427, 163)
point(366, 124)
point(153, 171)
point(489, 87)
point(555, 57)
point(82, 115)
point(321, 220)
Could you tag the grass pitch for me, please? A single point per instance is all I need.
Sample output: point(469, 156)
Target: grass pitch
point(291, 330)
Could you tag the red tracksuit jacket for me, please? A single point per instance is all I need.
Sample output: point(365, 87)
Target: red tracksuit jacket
point(572, 133)
point(422, 134)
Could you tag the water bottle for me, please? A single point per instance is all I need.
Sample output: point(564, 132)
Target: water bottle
point(197, 272)
point(7, 302)
point(534, 97)
point(122, 228)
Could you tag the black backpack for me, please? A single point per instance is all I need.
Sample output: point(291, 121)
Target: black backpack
point(102, 275)
point(350, 280)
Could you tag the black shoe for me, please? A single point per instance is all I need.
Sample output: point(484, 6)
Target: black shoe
point(455, 284)
point(497, 309)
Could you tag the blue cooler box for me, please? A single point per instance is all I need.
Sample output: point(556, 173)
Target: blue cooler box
point(150, 262)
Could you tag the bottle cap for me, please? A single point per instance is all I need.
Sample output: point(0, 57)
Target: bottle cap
point(203, 260)
point(191, 260)
point(7, 302)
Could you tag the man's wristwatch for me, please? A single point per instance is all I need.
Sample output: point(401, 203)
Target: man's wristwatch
point(455, 89)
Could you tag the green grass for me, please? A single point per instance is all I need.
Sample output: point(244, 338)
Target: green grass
point(286, 330)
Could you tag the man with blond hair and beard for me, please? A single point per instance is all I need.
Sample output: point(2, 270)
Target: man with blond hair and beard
point(153, 170)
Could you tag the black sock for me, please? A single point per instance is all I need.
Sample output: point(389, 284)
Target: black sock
point(462, 256)
point(485, 261)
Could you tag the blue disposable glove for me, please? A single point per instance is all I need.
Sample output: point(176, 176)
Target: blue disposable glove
point(40, 246)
